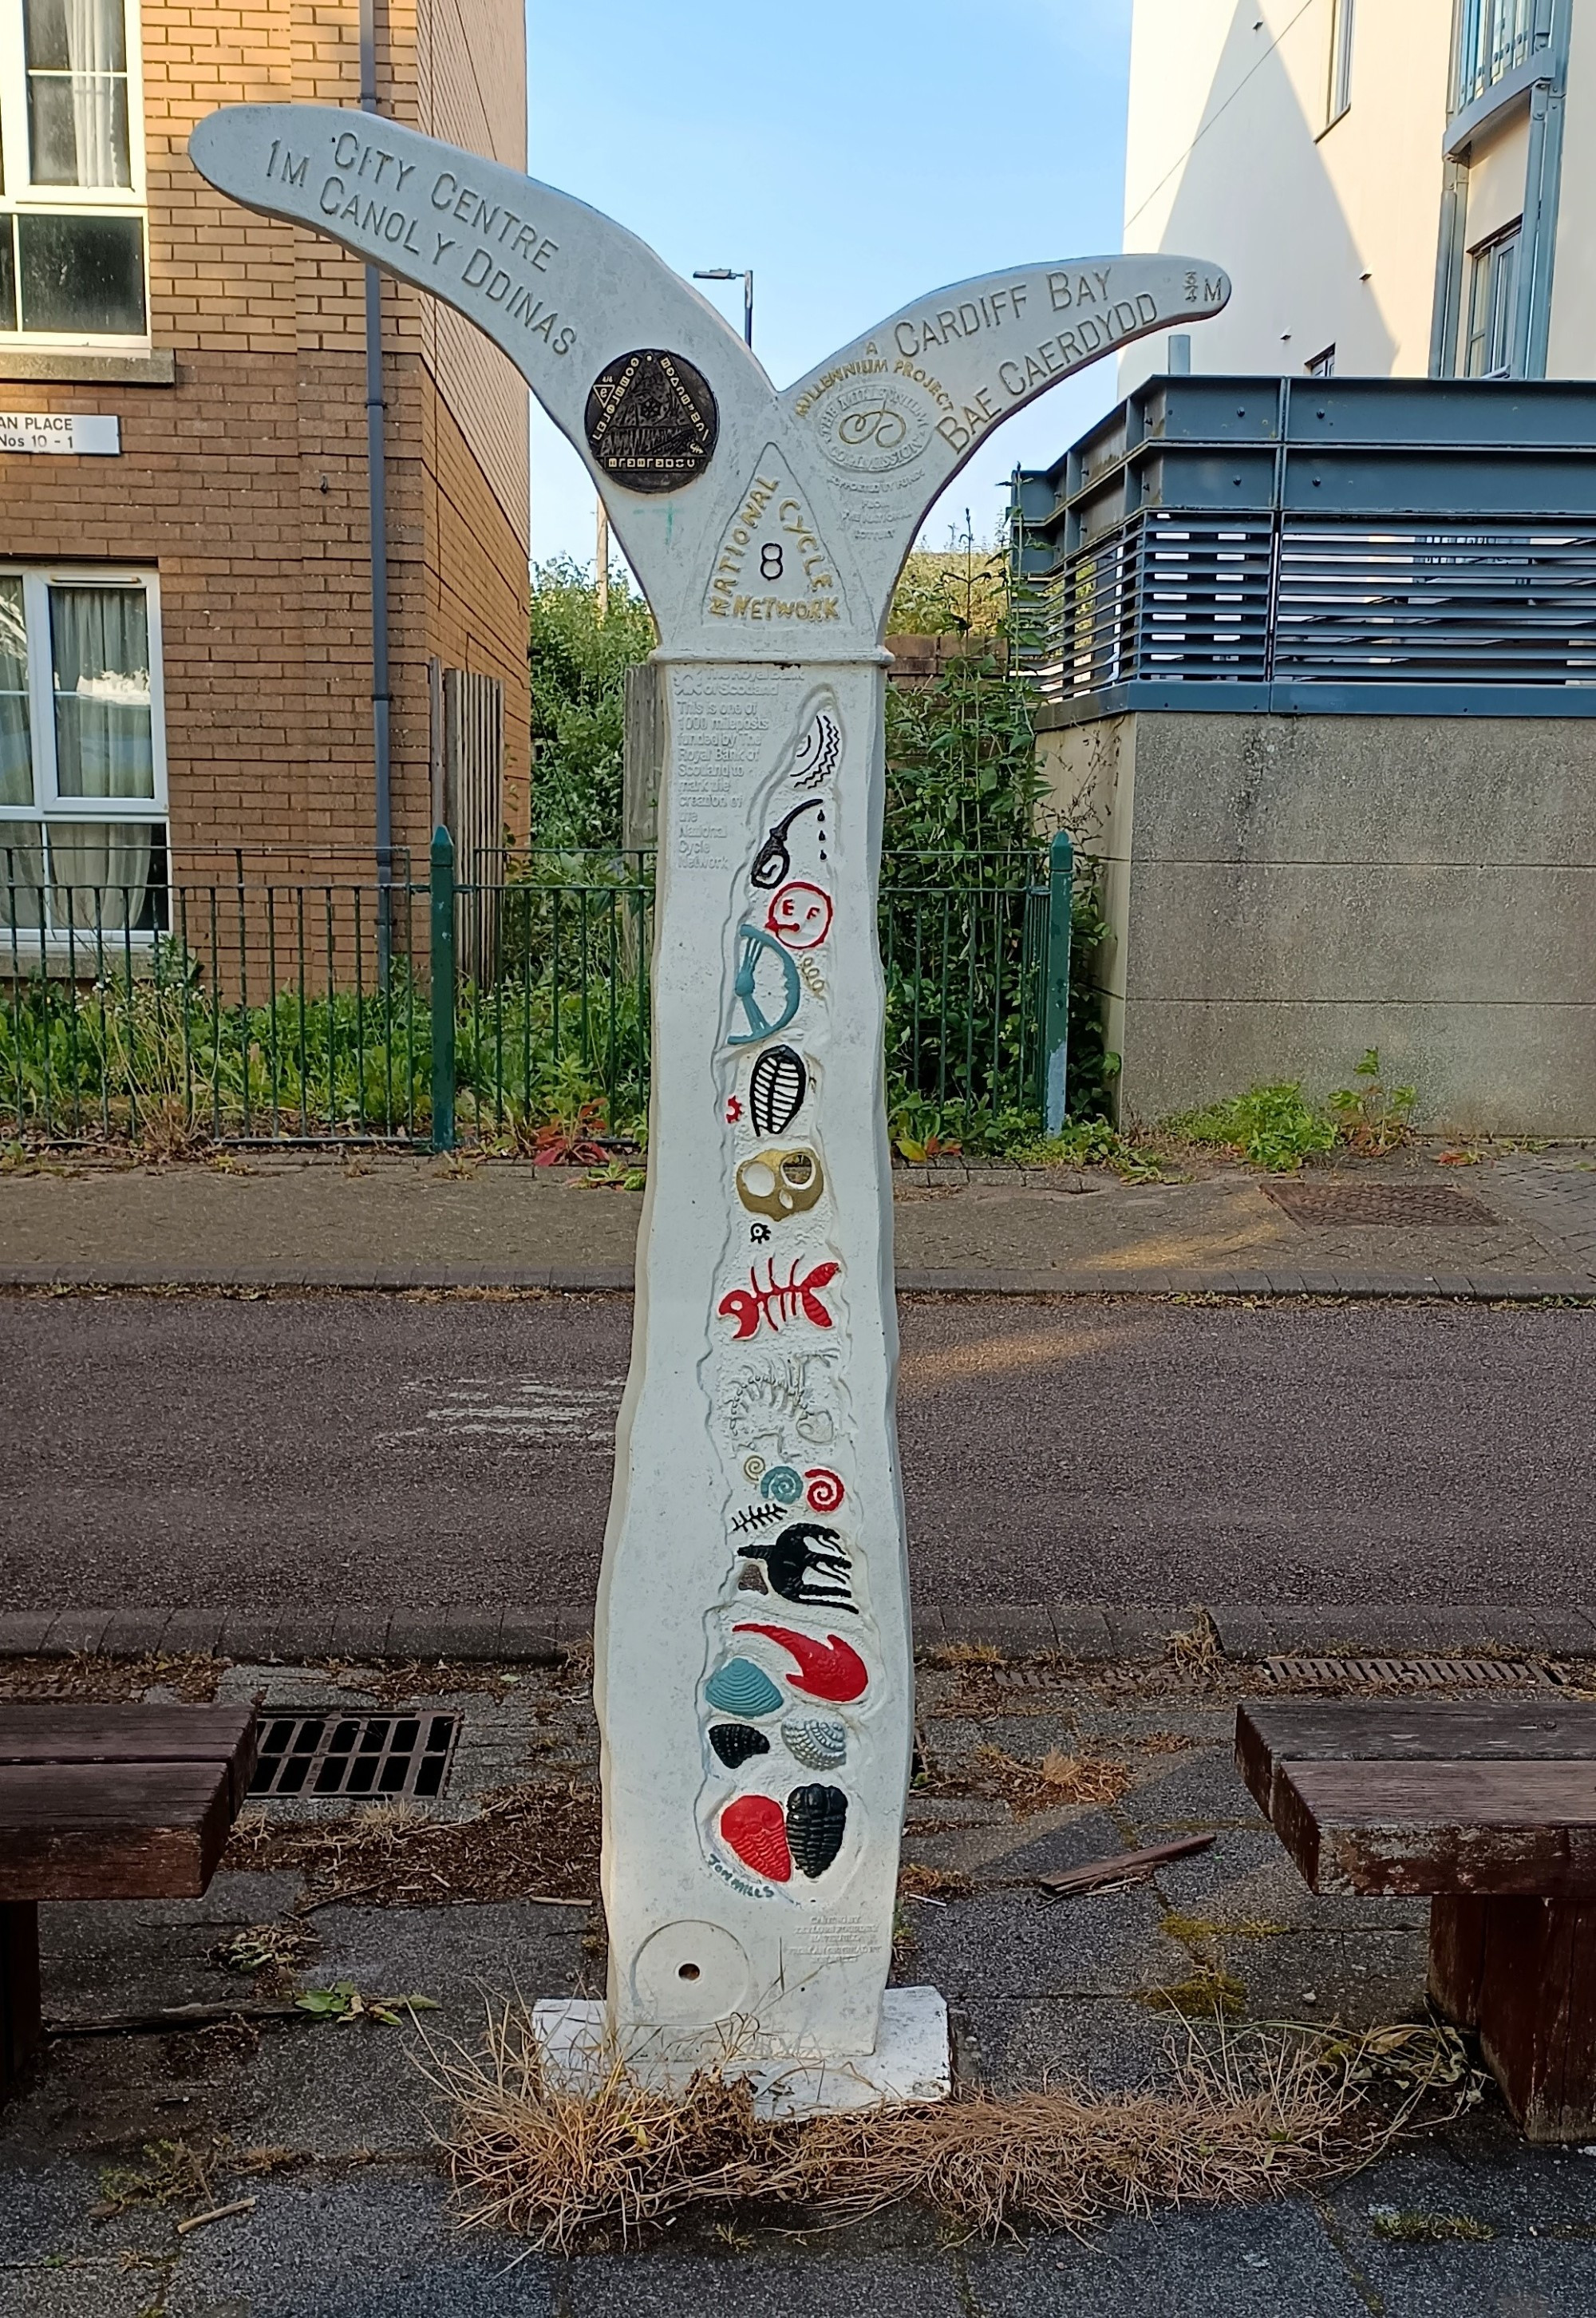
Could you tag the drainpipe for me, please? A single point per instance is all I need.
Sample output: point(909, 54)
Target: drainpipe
point(377, 485)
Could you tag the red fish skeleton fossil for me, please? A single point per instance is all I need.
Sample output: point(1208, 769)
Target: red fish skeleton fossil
point(777, 1303)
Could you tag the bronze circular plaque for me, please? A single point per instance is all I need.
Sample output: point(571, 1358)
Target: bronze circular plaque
point(651, 420)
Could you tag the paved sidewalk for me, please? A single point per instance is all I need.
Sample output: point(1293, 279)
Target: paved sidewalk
point(327, 2197)
point(387, 1222)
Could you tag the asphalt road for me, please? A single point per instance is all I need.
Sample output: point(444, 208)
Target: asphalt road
point(205, 1452)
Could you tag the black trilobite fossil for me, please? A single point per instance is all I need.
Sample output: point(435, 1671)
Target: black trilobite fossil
point(777, 1084)
point(816, 1818)
point(734, 1742)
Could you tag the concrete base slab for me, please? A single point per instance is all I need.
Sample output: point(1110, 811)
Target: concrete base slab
point(913, 2060)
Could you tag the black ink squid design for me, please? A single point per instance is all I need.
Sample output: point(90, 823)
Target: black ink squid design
point(804, 1567)
point(773, 860)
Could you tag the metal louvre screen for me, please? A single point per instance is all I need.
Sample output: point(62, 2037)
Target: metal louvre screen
point(1470, 603)
point(1204, 600)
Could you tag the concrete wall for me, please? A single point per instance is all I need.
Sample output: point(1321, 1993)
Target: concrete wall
point(1286, 892)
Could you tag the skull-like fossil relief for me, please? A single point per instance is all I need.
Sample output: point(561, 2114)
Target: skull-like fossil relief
point(780, 1183)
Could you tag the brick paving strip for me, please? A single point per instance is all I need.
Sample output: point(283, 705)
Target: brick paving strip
point(612, 1279)
point(405, 1223)
point(1097, 1631)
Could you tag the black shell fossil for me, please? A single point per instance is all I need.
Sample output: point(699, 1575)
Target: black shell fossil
point(777, 1084)
point(816, 1818)
point(734, 1742)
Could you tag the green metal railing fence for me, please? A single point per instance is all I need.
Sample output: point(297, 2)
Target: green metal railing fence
point(244, 1000)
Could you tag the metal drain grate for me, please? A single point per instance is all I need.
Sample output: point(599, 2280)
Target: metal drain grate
point(1393, 1204)
point(1414, 1674)
point(335, 1754)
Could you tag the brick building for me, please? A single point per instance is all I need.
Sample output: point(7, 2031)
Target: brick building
point(186, 626)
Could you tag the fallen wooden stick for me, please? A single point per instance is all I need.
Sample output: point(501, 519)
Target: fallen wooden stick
point(216, 2213)
point(1126, 1866)
point(175, 2016)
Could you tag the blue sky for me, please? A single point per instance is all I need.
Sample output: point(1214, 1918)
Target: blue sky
point(855, 153)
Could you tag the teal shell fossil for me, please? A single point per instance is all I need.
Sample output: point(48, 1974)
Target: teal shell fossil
point(819, 1745)
point(740, 1687)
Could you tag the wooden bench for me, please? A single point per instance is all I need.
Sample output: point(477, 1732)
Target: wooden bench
point(1489, 1811)
point(105, 1802)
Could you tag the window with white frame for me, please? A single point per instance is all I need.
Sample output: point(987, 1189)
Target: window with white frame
point(1493, 304)
point(1339, 94)
point(83, 777)
point(1322, 364)
point(72, 230)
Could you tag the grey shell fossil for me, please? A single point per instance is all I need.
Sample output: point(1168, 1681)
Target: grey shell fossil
point(818, 1745)
point(777, 1084)
point(816, 1818)
point(734, 1742)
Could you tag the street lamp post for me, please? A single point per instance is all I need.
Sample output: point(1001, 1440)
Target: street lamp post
point(732, 274)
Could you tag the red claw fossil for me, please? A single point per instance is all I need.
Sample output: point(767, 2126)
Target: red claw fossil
point(776, 1303)
point(831, 1670)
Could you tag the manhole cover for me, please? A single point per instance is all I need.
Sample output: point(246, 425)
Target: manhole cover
point(1411, 1674)
point(1394, 1204)
point(335, 1754)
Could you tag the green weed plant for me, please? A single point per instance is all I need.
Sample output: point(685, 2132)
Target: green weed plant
point(1277, 1127)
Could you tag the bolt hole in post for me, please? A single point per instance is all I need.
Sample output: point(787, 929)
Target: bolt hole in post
point(755, 1767)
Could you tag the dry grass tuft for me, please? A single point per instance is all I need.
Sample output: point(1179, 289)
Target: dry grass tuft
point(1027, 1787)
point(1196, 1653)
point(402, 1680)
point(949, 1658)
point(1243, 2117)
point(184, 2172)
point(526, 1841)
point(111, 1681)
point(917, 1880)
point(530, 2155)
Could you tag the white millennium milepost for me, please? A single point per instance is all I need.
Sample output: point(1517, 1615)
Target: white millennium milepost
point(754, 1664)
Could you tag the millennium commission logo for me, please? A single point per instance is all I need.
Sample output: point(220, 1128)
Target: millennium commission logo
point(872, 425)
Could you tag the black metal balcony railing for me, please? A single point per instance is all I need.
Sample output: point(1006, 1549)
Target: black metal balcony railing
point(1362, 546)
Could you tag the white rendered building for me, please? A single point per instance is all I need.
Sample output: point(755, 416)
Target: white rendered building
point(1396, 187)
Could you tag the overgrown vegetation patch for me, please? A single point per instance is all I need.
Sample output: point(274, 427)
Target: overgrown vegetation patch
point(1240, 2116)
point(539, 1839)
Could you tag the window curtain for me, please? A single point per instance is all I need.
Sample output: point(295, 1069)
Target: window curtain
point(16, 755)
point(100, 639)
point(99, 876)
point(22, 883)
point(104, 748)
point(96, 57)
